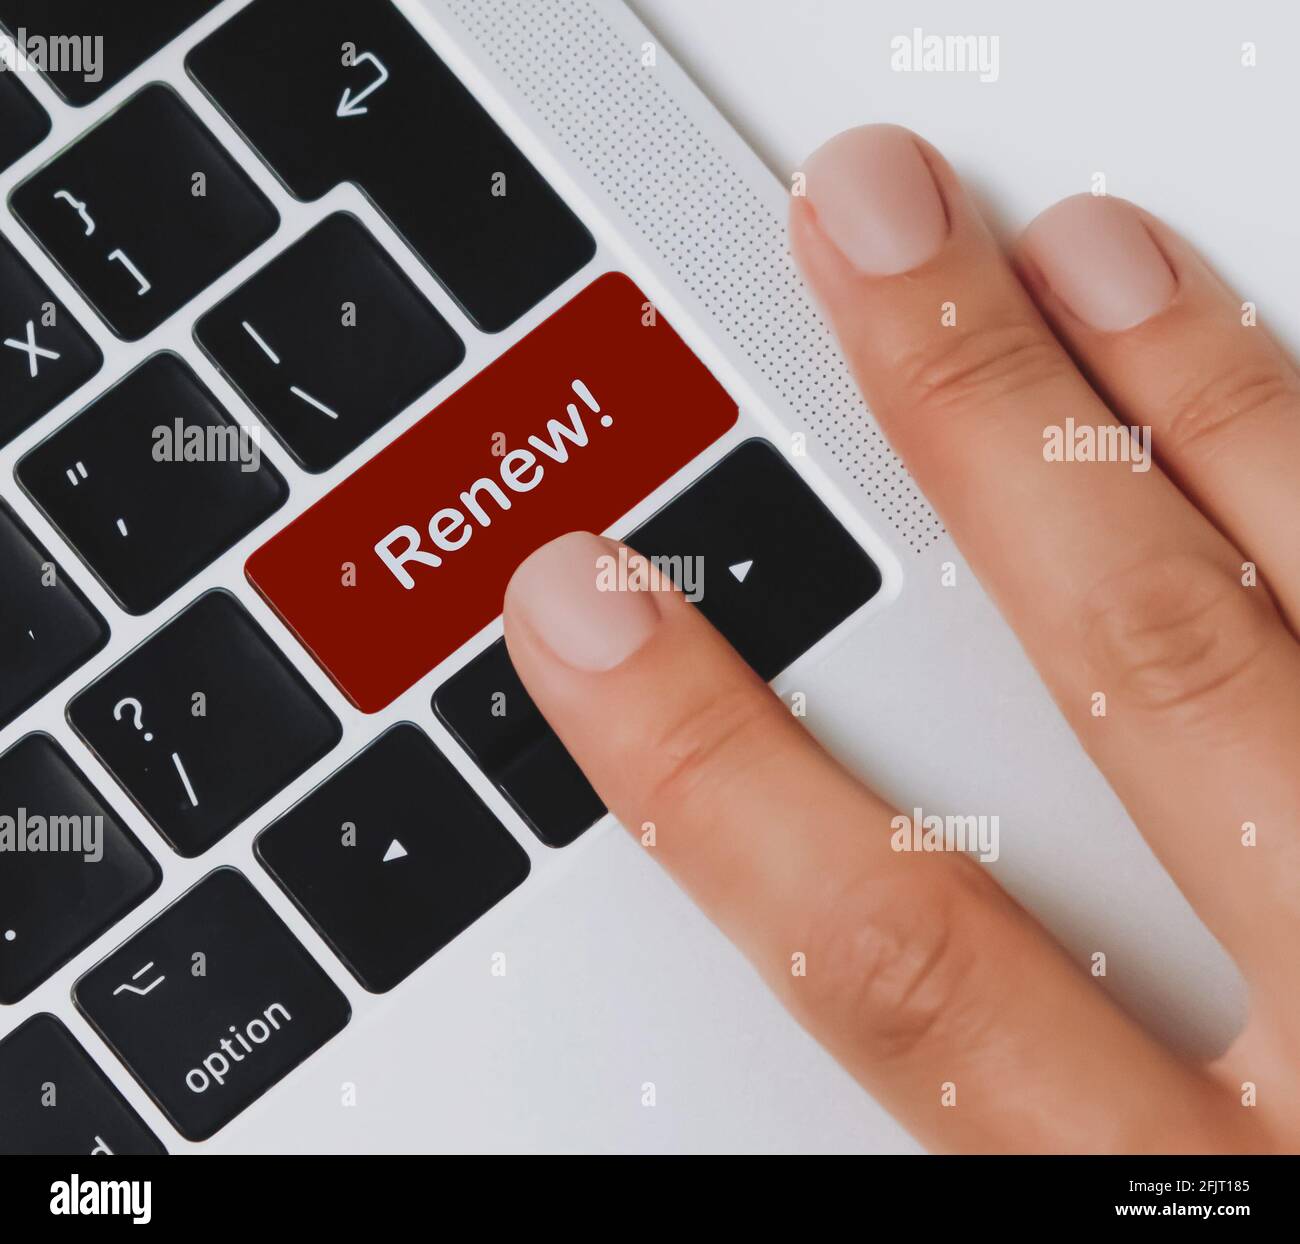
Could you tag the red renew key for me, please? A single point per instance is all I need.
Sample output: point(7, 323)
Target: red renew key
point(409, 557)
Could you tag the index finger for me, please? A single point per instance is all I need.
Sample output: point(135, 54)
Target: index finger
point(913, 969)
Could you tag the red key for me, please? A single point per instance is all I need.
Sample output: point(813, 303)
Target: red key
point(409, 557)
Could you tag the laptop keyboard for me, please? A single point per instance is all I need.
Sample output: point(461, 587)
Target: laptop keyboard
point(149, 480)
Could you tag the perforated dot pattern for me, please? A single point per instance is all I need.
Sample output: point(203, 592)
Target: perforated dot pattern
point(705, 220)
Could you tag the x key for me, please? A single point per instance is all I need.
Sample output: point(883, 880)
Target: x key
point(45, 356)
point(32, 350)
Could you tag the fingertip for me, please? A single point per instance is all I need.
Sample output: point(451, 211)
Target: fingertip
point(876, 198)
point(572, 600)
point(1099, 258)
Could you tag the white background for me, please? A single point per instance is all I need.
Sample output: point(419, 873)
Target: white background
point(1152, 94)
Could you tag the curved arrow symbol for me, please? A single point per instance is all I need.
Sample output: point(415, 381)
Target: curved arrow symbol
point(350, 105)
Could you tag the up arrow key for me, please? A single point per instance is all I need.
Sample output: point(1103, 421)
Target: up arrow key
point(395, 851)
point(741, 570)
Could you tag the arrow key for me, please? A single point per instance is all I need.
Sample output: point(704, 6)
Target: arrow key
point(776, 569)
point(392, 857)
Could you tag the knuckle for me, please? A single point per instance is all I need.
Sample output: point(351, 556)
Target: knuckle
point(1179, 634)
point(981, 364)
point(1207, 410)
point(713, 743)
point(889, 962)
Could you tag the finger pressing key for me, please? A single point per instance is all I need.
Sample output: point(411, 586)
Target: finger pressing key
point(915, 970)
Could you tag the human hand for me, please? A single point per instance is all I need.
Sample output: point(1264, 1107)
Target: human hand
point(920, 969)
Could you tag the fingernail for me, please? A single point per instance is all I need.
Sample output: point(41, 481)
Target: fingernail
point(1098, 258)
point(876, 199)
point(568, 597)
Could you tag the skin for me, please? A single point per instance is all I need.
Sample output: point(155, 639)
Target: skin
point(921, 969)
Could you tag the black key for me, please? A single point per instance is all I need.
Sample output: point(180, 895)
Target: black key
point(144, 211)
point(211, 1003)
point(152, 482)
point(773, 570)
point(23, 122)
point(776, 570)
point(70, 868)
point(55, 1101)
point(398, 123)
point(392, 857)
point(123, 35)
point(329, 342)
point(495, 720)
point(45, 355)
point(47, 627)
point(204, 722)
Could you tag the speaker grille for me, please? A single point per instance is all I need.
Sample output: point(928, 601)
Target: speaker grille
point(705, 219)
